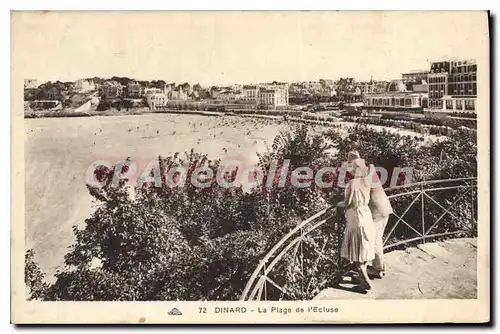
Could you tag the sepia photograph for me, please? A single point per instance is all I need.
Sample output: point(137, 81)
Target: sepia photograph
point(263, 166)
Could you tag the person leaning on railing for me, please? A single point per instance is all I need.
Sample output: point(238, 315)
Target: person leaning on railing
point(358, 245)
point(381, 209)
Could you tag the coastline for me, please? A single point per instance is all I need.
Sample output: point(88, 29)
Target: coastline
point(305, 118)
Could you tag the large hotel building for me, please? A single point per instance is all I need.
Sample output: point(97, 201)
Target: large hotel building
point(452, 86)
point(267, 96)
point(449, 86)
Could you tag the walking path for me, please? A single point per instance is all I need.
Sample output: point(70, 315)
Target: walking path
point(445, 269)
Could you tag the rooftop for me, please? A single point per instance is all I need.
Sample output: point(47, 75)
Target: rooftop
point(416, 72)
point(396, 86)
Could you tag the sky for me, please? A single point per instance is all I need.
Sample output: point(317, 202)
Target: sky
point(220, 48)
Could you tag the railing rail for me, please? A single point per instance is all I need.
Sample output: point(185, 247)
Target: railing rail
point(257, 285)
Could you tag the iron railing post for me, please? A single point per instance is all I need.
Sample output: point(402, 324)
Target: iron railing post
point(340, 237)
point(473, 228)
point(472, 201)
point(265, 283)
point(301, 242)
point(423, 212)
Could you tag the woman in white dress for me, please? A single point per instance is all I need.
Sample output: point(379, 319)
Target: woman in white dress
point(358, 245)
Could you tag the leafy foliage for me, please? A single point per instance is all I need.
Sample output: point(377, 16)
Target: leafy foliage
point(33, 276)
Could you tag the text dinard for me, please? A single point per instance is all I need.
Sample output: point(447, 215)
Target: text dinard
point(280, 310)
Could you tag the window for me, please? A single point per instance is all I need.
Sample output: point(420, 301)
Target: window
point(469, 105)
point(459, 105)
point(449, 104)
point(425, 103)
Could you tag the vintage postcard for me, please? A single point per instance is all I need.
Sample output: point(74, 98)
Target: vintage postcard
point(250, 167)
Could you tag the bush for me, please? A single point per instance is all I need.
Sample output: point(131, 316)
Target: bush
point(33, 277)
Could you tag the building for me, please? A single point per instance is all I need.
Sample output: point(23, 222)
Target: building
point(214, 92)
point(452, 86)
point(372, 86)
point(85, 85)
point(44, 105)
point(350, 95)
point(272, 95)
point(414, 76)
point(397, 97)
point(366, 87)
point(268, 97)
point(327, 83)
point(134, 90)
point(229, 95)
point(327, 92)
point(249, 92)
point(168, 87)
point(30, 83)
point(156, 100)
point(111, 90)
point(152, 90)
point(236, 87)
point(311, 85)
point(186, 87)
point(420, 88)
point(178, 93)
point(348, 91)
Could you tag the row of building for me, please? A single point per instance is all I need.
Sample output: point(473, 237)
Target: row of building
point(448, 86)
point(266, 96)
point(344, 89)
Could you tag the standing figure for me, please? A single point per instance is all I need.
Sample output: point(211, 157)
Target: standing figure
point(381, 209)
point(358, 245)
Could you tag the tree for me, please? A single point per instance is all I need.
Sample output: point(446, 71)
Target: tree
point(33, 276)
point(158, 84)
point(122, 80)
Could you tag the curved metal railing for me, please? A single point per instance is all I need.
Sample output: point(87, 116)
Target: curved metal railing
point(404, 199)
